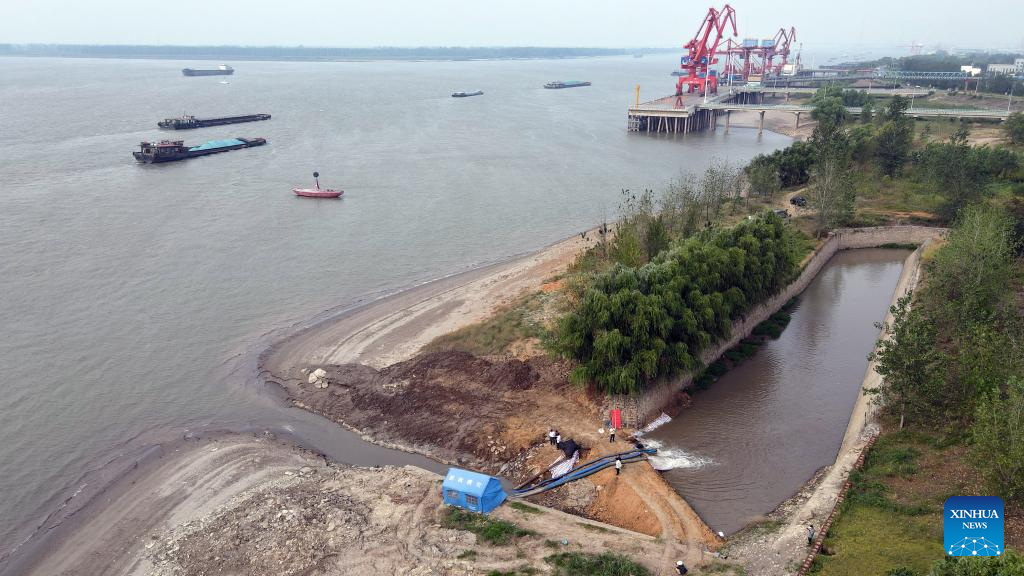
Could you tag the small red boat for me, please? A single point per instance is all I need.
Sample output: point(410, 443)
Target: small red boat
point(317, 192)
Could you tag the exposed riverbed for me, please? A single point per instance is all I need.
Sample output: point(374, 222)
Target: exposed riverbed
point(751, 440)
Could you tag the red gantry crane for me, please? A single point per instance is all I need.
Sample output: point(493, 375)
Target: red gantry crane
point(751, 61)
point(780, 47)
point(696, 72)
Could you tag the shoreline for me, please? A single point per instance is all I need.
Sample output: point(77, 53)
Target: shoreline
point(430, 297)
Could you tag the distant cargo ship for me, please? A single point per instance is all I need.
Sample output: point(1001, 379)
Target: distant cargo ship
point(222, 70)
point(190, 122)
point(567, 84)
point(173, 150)
point(467, 94)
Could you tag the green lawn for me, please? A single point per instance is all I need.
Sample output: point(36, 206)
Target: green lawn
point(870, 540)
point(893, 514)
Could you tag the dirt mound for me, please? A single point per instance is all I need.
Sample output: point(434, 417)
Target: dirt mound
point(512, 374)
point(452, 405)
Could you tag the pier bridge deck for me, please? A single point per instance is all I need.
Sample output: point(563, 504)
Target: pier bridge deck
point(689, 113)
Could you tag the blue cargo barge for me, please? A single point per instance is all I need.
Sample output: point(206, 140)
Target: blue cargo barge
point(173, 150)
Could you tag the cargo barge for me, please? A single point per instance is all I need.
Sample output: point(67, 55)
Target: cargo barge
point(467, 94)
point(222, 70)
point(173, 150)
point(558, 84)
point(191, 122)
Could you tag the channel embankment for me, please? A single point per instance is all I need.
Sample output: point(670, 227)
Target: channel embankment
point(642, 408)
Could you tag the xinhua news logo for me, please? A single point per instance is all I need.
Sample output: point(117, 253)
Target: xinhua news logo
point(973, 526)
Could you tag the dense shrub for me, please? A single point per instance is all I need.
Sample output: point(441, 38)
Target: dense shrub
point(793, 163)
point(634, 325)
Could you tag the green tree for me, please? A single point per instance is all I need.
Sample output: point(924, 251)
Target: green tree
point(998, 435)
point(867, 112)
point(895, 137)
point(831, 191)
point(951, 169)
point(911, 364)
point(1014, 127)
point(896, 109)
point(1010, 563)
point(969, 278)
point(764, 179)
point(626, 248)
point(656, 239)
point(830, 112)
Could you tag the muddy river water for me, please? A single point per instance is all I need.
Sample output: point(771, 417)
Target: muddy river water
point(750, 441)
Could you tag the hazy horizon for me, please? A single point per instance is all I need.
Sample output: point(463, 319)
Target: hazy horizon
point(872, 24)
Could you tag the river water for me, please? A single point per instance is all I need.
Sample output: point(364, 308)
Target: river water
point(131, 296)
point(754, 437)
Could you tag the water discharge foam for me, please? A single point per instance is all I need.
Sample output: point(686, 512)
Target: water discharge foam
point(671, 458)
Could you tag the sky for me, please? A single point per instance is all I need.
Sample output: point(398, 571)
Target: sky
point(997, 24)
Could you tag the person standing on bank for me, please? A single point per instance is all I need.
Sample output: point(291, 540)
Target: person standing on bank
point(681, 568)
point(558, 438)
point(618, 465)
point(810, 534)
point(551, 436)
point(611, 434)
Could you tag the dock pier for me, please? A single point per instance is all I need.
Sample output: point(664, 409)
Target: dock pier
point(693, 113)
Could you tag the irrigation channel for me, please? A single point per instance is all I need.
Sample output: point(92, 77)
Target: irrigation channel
point(764, 428)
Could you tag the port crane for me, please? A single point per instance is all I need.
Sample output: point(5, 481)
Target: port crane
point(697, 76)
point(751, 61)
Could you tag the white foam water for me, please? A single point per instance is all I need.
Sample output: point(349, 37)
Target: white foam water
point(670, 458)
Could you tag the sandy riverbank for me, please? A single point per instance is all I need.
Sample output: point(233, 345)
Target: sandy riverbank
point(252, 505)
point(779, 122)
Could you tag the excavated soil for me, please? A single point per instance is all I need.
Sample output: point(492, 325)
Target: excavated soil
point(453, 406)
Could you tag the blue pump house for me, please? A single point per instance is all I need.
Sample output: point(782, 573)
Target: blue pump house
point(472, 491)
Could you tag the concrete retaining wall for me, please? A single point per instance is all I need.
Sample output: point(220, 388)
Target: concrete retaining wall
point(639, 409)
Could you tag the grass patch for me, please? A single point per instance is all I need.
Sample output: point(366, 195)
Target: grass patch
point(494, 335)
point(892, 517)
point(766, 527)
point(607, 564)
point(487, 530)
point(555, 544)
point(870, 540)
point(593, 528)
point(900, 245)
point(525, 508)
point(521, 571)
point(724, 568)
point(467, 555)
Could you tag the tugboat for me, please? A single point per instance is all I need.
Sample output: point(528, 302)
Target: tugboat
point(317, 192)
point(222, 70)
point(558, 84)
point(173, 150)
point(467, 94)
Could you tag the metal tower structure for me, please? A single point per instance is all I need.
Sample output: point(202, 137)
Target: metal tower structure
point(697, 74)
